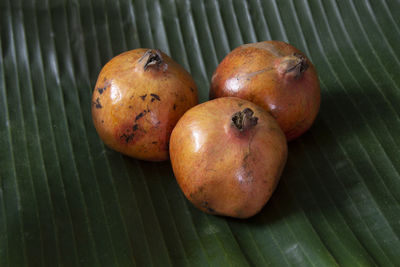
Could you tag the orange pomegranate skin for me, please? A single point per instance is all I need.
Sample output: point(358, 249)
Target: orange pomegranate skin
point(223, 170)
point(138, 98)
point(276, 76)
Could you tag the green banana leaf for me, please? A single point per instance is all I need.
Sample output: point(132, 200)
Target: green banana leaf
point(67, 200)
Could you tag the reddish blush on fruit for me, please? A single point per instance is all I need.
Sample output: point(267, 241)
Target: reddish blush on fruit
point(275, 75)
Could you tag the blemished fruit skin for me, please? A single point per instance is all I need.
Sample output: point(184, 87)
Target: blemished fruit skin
point(275, 75)
point(138, 98)
point(226, 170)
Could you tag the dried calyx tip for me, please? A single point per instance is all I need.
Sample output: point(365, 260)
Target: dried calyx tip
point(299, 65)
point(154, 58)
point(244, 119)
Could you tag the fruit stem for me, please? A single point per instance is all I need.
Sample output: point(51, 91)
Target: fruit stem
point(244, 120)
point(154, 58)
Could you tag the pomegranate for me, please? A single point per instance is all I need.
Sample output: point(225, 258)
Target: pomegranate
point(138, 98)
point(227, 156)
point(276, 76)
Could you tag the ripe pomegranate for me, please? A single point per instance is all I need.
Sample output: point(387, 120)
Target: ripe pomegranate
point(227, 156)
point(139, 97)
point(276, 76)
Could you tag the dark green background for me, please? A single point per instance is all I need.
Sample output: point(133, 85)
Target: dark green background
point(66, 199)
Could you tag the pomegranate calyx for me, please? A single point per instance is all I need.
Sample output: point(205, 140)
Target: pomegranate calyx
point(154, 58)
point(294, 65)
point(244, 120)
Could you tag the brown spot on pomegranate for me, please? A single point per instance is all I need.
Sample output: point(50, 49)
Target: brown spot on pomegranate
point(97, 103)
point(155, 97)
point(102, 89)
point(128, 134)
point(140, 115)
